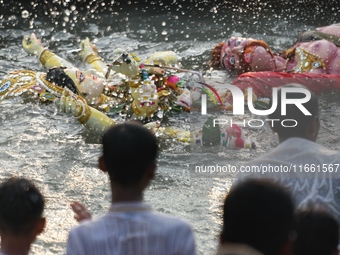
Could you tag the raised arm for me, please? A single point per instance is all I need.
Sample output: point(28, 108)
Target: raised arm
point(89, 54)
point(47, 58)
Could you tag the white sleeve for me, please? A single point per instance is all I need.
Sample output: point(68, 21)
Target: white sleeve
point(190, 246)
point(186, 241)
point(73, 246)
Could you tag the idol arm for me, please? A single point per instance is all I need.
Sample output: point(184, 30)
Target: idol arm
point(32, 45)
point(90, 117)
point(89, 54)
point(98, 121)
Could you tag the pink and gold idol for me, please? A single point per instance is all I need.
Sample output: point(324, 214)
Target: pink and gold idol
point(314, 52)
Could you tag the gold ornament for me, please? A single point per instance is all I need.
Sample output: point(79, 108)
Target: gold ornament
point(91, 58)
point(45, 55)
point(308, 61)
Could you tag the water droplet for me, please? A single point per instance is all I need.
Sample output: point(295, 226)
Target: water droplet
point(160, 114)
point(25, 14)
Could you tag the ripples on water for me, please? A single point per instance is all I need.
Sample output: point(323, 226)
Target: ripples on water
point(56, 153)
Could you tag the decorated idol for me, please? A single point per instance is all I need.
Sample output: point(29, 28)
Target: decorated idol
point(314, 52)
point(123, 75)
point(142, 90)
point(313, 61)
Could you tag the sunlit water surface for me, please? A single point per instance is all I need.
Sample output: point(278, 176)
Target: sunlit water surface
point(53, 149)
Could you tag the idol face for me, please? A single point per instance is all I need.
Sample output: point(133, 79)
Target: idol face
point(232, 51)
point(146, 98)
point(90, 86)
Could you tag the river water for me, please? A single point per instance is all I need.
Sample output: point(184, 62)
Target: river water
point(55, 151)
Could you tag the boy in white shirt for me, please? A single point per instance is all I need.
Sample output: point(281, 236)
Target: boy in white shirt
point(131, 226)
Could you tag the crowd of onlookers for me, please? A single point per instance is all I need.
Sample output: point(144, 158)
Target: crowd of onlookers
point(277, 214)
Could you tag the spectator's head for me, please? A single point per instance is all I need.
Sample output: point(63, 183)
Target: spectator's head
point(317, 233)
point(260, 214)
point(21, 209)
point(307, 125)
point(129, 154)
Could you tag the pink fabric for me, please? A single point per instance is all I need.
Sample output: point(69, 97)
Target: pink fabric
point(173, 79)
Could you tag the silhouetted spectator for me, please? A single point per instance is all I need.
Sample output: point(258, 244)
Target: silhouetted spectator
point(21, 215)
point(130, 227)
point(317, 233)
point(258, 218)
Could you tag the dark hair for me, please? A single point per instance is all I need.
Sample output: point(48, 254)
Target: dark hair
point(293, 112)
point(260, 214)
point(317, 233)
point(59, 77)
point(21, 206)
point(128, 151)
